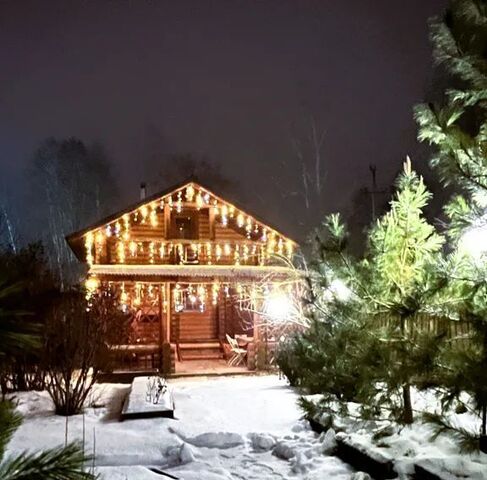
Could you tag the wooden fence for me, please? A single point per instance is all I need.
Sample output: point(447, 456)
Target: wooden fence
point(456, 330)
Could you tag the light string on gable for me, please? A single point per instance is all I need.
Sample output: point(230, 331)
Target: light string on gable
point(190, 196)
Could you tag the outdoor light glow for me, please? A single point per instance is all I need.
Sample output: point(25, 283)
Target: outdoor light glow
point(340, 290)
point(337, 290)
point(474, 241)
point(278, 306)
point(91, 284)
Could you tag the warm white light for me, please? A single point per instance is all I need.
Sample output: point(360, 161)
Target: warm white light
point(91, 284)
point(339, 290)
point(474, 242)
point(278, 306)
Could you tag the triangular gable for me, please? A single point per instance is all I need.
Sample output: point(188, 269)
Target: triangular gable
point(226, 212)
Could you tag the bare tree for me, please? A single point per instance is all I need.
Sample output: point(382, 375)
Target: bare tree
point(309, 153)
point(72, 186)
point(9, 235)
point(303, 174)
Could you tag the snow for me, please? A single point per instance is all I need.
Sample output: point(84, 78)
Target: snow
point(414, 444)
point(191, 270)
point(225, 428)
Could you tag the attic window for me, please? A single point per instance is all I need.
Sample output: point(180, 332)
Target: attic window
point(184, 226)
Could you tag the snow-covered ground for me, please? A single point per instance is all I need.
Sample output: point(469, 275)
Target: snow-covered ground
point(414, 444)
point(226, 428)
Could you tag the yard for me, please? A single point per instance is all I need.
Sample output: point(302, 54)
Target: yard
point(225, 429)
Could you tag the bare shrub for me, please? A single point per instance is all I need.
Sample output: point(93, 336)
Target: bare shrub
point(77, 338)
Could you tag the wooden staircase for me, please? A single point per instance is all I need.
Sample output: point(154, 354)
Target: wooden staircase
point(211, 349)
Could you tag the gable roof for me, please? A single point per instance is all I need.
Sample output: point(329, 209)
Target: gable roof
point(74, 238)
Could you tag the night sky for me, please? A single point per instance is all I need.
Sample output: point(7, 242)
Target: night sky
point(232, 80)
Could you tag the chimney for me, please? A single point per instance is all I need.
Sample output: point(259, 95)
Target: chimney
point(142, 191)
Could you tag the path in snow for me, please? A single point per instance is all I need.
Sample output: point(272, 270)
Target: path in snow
point(225, 429)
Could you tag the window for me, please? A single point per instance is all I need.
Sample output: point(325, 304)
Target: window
point(185, 226)
point(188, 300)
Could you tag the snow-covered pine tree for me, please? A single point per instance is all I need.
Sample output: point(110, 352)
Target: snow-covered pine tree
point(458, 130)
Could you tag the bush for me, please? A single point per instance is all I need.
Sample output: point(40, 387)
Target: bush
point(26, 268)
point(326, 359)
point(77, 339)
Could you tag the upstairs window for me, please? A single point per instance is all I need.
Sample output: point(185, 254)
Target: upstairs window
point(184, 225)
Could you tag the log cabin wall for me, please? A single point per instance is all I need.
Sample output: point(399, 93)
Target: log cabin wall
point(204, 224)
point(144, 233)
point(194, 325)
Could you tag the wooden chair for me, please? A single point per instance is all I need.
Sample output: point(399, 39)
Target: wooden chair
point(238, 354)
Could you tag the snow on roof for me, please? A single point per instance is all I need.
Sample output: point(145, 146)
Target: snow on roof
point(191, 270)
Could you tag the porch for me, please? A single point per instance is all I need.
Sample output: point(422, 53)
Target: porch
point(184, 329)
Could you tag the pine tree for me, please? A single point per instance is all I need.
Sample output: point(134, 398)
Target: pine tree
point(347, 354)
point(403, 251)
point(457, 129)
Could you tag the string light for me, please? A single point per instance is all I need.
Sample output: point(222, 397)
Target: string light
point(121, 252)
point(189, 193)
point(270, 241)
point(224, 215)
point(289, 249)
point(240, 220)
point(99, 237)
point(199, 201)
point(126, 222)
point(124, 295)
point(208, 252)
point(279, 246)
point(144, 211)
point(92, 283)
point(179, 203)
point(89, 248)
point(153, 217)
point(248, 227)
point(214, 291)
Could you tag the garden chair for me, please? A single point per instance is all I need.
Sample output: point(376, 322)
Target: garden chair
point(238, 354)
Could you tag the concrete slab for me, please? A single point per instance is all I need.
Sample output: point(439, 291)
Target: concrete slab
point(138, 405)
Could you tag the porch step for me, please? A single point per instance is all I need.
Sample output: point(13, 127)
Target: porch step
point(200, 350)
point(201, 356)
point(199, 345)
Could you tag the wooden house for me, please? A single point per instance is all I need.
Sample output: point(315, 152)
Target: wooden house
point(184, 261)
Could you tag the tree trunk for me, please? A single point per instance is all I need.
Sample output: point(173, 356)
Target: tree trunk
point(407, 406)
point(484, 419)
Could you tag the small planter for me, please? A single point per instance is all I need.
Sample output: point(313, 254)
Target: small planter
point(483, 443)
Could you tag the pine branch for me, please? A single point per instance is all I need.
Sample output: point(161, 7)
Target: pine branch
point(9, 422)
point(63, 463)
point(467, 441)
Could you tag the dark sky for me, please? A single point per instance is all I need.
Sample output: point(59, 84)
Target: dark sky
point(233, 80)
